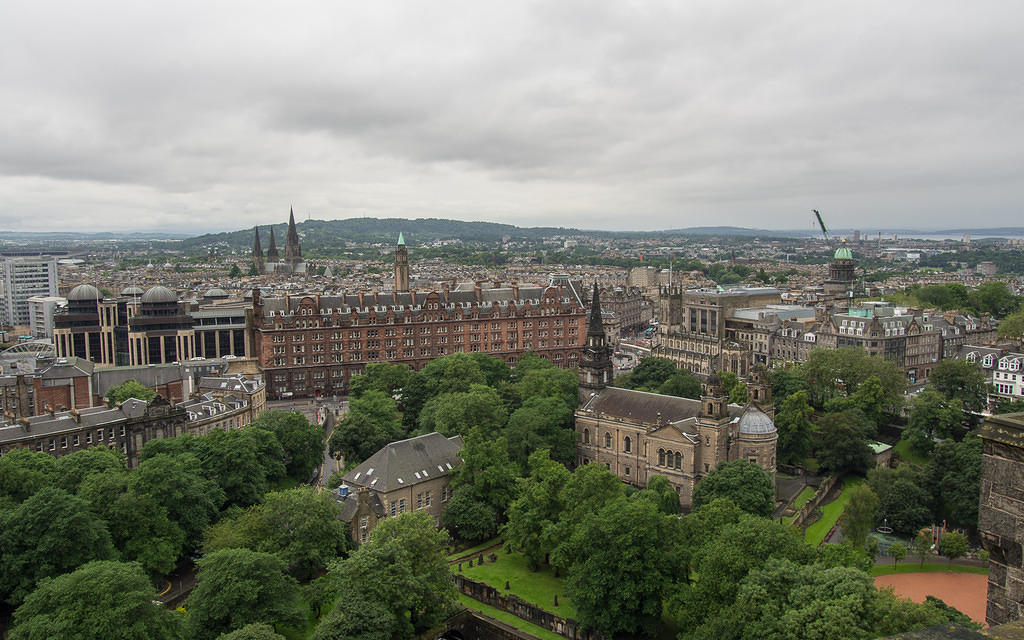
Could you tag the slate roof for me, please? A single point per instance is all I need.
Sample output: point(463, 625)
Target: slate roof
point(229, 383)
point(643, 406)
point(351, 503)
point(407, 462)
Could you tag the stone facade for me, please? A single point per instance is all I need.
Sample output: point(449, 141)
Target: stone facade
point(312, 344)
point(1001, 515)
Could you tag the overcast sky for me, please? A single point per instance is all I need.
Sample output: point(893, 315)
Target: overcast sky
point(195, 116)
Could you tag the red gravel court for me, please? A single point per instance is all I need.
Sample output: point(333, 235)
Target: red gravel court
point(965, 591)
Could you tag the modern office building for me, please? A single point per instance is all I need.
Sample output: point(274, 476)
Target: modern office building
point(20, 279)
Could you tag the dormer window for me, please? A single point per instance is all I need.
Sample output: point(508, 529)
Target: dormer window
point(987, 361)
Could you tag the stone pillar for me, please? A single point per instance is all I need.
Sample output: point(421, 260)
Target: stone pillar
point(1001, 515)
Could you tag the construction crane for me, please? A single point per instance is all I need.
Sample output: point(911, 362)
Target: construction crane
point(821, 223)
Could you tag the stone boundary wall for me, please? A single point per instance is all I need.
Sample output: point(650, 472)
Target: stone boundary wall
point(485, 593)
point(801, 517)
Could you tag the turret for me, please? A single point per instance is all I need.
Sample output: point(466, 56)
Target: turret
point(596, 364)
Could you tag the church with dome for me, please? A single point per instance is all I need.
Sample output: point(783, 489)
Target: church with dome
point(841, 274)
point(638, 435)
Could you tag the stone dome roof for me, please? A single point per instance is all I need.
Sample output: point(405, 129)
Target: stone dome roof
point(84, 292)
point(132, 291)
point(215, 292)
point(756, 422)
point(159, 294)
point(842, 253)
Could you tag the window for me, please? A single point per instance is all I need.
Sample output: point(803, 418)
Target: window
point(394, 506)
point(586, 436)
point(607, 441)
point(419, 500)
point(627, 445)
point(426, 498)
point(679, 460)
point(401, 506)
point(661, 457)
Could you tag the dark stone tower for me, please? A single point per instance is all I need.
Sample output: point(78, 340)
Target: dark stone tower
point(714, 400)
point(401, 265)
point(596, 364)
point(257, 252)
point(272, 254)
point(1000, 513)
point(841, 273)
point(292, 250)
point(759, 391)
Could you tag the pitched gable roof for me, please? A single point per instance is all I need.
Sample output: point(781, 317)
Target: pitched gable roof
point(407, 462)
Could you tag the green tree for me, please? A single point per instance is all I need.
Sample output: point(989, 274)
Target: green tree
point(402, 567)
point(242, 462)
point(548, 383)
point(953, 545)
point(541, 423)
point(843, 445)
point(50, 533)
point(130, 389)
point(138, 524)
point(650, 373)
point(253, 271)
point(24, 472)
point(237, 587)
point(73, 469)
point(372, 422)
point(953, 477)
point(588, 490)
point(298, 526)
point(994, 297)
point(469, 517)
point(1012, 326)
point(868, 399)
point(234, 272)
point(390, 379)
point(536, 509)
point(631, 561)
point(859, 517)
point(903, 503)
point(661, 493)
point(456, 413)
point(681, 384)
point(357, 617)
point(743, 482)
point(100, 599)
point(787, 381)
point(486, 470)
point(831, 373)
point(897, 551)
point(177, 483)
point(922, 545)
point(961, 380)
point(1005, 405)
point(302, 441)
point(795, 429)
point(932, 415)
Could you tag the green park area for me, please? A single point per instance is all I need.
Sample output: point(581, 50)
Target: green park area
point(805, 495)
point(535, 587)
point(904, 451)
point(830, 513)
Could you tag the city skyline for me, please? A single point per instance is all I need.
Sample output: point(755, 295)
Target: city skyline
point(638, 116)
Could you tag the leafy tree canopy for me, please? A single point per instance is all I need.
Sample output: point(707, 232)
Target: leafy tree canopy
point(744, 483)
point(301, 440)
point(130, 389)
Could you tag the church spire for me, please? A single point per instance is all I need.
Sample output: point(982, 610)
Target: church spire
point(272, 255)
point(401, 238)
point(595, 371)
point(257, 250)
point(292, 250)
point(596, 324)
point(401, 265)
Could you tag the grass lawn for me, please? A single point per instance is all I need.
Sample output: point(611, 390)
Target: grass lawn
point(805, 494)
point(929, 567)
point(509, 619)
point(536, 587)
point(831, 512)
point(480, 547)
point(904, 451)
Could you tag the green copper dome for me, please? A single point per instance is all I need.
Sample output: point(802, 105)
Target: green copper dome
point(842, 253)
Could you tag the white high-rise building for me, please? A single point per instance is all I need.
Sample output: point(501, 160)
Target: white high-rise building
point(21, 279)
point(40, 312)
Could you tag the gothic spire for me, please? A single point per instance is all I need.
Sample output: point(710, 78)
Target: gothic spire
point(257, 250)
point(401, 239)
point(272, 254)
point(293, 235)
point(596, 325)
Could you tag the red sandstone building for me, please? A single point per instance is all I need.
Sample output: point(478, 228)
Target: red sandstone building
point(312, 344)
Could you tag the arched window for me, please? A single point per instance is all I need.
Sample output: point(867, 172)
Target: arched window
point(627, 445)
point(586, 436)
point(661, 457)
point(607, 441)
point(679, 460)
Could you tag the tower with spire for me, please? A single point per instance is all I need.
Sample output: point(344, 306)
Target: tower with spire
point(292, 250)
point(257, 251)
point(272, 255)
point(595, 371)
point(401, 265)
